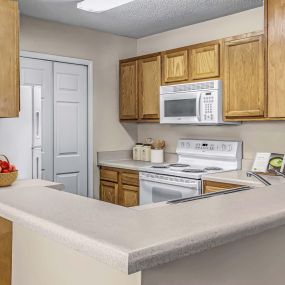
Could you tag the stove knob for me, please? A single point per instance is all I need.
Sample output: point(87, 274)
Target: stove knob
point(224, 147)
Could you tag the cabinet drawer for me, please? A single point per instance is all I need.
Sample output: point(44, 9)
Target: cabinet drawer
point(109, 175)
point(130, 179)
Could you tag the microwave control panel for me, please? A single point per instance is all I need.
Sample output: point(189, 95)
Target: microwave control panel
point(209, 107)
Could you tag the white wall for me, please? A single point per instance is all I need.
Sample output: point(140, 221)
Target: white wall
point(257, 136)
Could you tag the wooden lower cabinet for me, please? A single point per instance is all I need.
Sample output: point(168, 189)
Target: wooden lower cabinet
point(119, 186)
point(212, 186)
point(129, 196)
point(109, 192)
point(5, 252)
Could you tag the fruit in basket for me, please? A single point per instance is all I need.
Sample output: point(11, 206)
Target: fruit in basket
point(6, 167)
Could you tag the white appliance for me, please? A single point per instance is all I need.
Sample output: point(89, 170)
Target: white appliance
point(198, 103)
point(183, 179)
point(21, 138)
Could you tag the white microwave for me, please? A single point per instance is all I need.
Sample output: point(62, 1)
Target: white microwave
point(193, 103)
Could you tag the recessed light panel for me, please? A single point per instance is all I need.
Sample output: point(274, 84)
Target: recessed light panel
point(99, 6)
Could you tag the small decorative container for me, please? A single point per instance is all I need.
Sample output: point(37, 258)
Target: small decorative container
point(157, 155)
point(137, 151)
point(7, 179)
point(146, 152)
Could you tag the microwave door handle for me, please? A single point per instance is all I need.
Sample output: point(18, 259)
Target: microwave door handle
point(198, 107)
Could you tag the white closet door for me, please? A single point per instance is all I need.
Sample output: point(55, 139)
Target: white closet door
point(70, 136)
point(40, 72)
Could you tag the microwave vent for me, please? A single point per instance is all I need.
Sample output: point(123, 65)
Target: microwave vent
point(190, 87)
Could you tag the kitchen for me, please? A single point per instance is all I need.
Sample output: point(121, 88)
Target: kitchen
point(109, 140)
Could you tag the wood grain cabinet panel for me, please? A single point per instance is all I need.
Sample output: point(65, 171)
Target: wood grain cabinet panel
point(110, 192)
point(128, 91)
point(125, 192)
point(212, 186)
point(109, 175)
point(9, 58)
point(5, 252)
point(130, 178)
point(129, 196)
point(276, 58)
point(244, 83)
point(175, 66)
point(149, 79)
point(205, 61)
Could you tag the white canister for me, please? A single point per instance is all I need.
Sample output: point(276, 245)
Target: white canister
point(137, 151)
point(157, 155)
point(146, 153)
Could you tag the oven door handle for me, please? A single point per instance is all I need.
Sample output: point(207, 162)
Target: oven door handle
point(198, 106)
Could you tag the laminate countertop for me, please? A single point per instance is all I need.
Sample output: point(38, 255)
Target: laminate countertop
point(125, 164)
point(117, 236)
point(239, 177)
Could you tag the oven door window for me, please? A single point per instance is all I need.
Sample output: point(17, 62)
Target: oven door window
point(160, 194)
point(180, 108)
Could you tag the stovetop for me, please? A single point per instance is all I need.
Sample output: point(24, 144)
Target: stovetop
point(183, 170)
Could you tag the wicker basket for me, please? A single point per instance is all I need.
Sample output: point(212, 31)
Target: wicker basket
point(7, 179)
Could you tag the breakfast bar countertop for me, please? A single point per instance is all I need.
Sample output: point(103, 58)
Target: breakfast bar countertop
point(116, 236)
point(239, 177)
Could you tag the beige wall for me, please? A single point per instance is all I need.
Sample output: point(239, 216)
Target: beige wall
point(104, 50)
point(256, 136)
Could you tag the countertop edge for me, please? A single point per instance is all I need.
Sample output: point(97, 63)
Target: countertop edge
point(155, 256)
point(79, 242)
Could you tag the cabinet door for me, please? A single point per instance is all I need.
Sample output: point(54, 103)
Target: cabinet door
point(109, 192)
point(128, 91)
point(9, 58)
point(175, 66)
point(244, 78)
point(5, 251)
point(149, 88)
point(212, 186)
point(129, 196)
point(205, 62)
point(276, 58)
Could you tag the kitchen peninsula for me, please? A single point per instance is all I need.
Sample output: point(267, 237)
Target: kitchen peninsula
point(108, 243)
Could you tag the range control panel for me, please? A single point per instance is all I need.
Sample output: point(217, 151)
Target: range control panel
point(213, 148)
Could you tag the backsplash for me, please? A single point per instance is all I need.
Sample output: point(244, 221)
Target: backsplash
point(256, 136)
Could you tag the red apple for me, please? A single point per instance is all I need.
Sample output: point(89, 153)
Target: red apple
point(5, 171)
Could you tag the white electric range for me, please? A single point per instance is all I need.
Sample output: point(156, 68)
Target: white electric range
point(166, 182)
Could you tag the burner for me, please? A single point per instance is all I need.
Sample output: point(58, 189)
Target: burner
point(178, 165)
point(160, 166)
point(194, 170)
point(213, 169)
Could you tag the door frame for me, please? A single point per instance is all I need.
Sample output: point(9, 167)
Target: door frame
point(90, 90)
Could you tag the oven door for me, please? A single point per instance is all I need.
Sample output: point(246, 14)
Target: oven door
point(180, 108)
point(157, 188)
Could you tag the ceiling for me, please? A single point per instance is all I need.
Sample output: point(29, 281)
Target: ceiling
point(139, 18)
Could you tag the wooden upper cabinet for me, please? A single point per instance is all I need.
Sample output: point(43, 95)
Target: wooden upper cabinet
point(149, 78)
point(9, 58)
point(244, 84)
point(276, 58)
point(128, 91)
point(175, 66)
point(205, 61)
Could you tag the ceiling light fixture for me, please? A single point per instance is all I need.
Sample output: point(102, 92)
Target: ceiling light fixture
point(99, 6)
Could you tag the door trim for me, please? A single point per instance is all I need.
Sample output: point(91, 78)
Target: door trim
point(90, 90)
